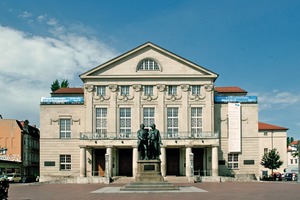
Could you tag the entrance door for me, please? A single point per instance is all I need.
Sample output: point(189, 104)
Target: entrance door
point(198, 159)
point(100, 162)
point(173, 162)
point(125, 162)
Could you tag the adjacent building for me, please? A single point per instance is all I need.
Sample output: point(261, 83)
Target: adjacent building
point(21, 144)
point(91, 131)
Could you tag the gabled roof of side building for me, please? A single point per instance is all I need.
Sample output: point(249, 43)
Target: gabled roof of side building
point(270, 127)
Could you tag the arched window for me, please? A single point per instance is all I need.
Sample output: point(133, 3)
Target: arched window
point(148, 65)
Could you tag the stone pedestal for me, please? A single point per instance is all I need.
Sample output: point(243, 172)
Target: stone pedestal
point(149, 171)
point(149, 178)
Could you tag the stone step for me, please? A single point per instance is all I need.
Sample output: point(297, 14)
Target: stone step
point(153, 186)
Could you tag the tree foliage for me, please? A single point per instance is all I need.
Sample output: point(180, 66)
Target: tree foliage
point(271, 160)
point(56, 85)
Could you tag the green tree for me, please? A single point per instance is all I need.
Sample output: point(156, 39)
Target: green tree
point(64, 83)
point(271, 160)
point(55, 85)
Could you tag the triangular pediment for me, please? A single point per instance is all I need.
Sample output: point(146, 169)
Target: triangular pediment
point(170, 65)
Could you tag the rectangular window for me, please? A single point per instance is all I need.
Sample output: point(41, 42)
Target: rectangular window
point(233, 161)
point(292, 161)
point(265, 150)
point(172, 122)
point(148, 90)
point(124, 89)
point(65, 162)
point(172, 90)
point(196, 89)
point(265, 133)
point(101, 90)
point(125, 122)
point(65, 128)
point(148, 116)
point(101, 122)
point(196, 122)
point(296, 161)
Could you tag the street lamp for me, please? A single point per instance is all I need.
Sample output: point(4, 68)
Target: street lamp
point(3, 151)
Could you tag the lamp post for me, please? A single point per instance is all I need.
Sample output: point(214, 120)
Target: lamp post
point(3, 151)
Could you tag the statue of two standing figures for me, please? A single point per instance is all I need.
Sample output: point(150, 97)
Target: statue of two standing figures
point(149, 142)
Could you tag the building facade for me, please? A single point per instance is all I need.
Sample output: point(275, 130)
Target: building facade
point(21, 142)
point(205, 129)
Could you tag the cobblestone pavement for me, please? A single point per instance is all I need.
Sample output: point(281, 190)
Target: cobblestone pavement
point(211, 191)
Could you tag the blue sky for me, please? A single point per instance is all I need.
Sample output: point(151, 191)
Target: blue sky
point(253, 44)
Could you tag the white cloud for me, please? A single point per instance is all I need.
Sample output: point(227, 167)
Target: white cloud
point(25, 14)
point(277, 100)
point(30, 63)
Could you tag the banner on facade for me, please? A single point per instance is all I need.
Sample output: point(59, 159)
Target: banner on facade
point(237, 99)
point(234, 127)
point(62, 100)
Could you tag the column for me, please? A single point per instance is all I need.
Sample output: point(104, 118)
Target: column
point(188, 151)
point(163, 159)
point(214, 161)
point(134, 160)
point(82, 162)
point(109, 153)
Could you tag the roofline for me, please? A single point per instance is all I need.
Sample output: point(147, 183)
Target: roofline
point(138, 48)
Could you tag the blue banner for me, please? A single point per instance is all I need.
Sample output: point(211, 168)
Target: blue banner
point(235, 99)
point(62, 100)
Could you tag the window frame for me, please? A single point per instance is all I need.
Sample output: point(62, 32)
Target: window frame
point(233, 161)
point(196, 89)
point(172, 90)
point(101, 122)
point(64, 133)
point(125, 131)
point(148, 116)
point(65, 162)
point(101, 90)
point(172, 122)
point(197, 126)
point(124, 90)
point(148, 64)
point(148, 90)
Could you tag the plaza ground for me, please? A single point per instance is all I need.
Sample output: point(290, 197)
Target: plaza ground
point(227, 190)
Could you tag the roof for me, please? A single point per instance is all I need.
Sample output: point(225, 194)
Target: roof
point(68, 91)
point(141, 48)
point(264, 126)
point(230, 89)
point(294, 142)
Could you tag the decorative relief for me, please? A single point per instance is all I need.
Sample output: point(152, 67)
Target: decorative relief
point(185, 88)
point(173, 97)
point(101, 98)
point(53, 120)
point(137, 88)
point(149, 97)
point(89, 88)
point(209, 87)
point(113, 88)
point(76, 120)
point(161, 88)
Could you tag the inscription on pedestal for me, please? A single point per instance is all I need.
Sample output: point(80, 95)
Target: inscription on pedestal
point(149, 167)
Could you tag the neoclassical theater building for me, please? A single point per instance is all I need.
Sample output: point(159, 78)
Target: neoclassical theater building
point(92, 131)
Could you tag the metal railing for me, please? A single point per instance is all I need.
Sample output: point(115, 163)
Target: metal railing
point(200, 173)
point(133, 135)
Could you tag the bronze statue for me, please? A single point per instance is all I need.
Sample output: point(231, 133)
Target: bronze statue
point(154, 143)
point(142, 135)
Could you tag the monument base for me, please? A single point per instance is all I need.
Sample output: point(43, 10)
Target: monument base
point(149, 171)
point(149, 178)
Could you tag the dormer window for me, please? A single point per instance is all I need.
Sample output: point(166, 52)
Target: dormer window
point(148, 65)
